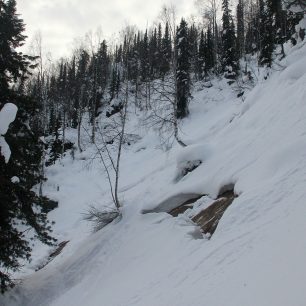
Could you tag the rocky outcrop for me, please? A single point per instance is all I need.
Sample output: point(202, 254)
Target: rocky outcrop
point(209, 218)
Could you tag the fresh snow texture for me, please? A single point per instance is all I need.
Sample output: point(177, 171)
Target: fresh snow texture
point(256, 257)
point(7, 116)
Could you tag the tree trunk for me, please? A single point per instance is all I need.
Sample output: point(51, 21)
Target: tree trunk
point(79, 130)
point(117, 202)
point(64, 133)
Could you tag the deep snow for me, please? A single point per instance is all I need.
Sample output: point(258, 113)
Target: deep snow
point(257, 255)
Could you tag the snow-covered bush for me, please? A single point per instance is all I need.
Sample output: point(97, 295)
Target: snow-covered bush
point(100, 218)
point(7, 116)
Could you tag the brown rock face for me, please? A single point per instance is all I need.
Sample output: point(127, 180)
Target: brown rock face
point(209, 218)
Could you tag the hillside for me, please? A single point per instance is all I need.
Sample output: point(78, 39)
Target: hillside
point(255, 145)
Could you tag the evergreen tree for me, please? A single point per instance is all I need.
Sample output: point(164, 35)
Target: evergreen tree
point(20, 207)
point(144, 57)
point(229, 53)
point(240, 29)
point(206, 54)
point(193, 46)
point(53, 113)
point(103, 72)
point(279, 19)
point(159, 48)
point(134, 61)
point(166, 51)
point(118, 54)
point(72, 90)
point(182, 70)
point(209, 51)
point(113, 84)
point(62, 89)
point(64, 105)
point(153, 55)
point(82, 80)
point(82, 96)
point(267, 38)
point(201, 56)
point(13, 64)
point(251, 37)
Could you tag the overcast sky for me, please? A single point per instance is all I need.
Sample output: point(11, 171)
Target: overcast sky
point(60, 21)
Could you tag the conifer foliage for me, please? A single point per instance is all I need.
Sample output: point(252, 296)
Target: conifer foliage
point(240, 30)
point(229, 59)
point(21, 209)
point(182, 70)
point(267, 38)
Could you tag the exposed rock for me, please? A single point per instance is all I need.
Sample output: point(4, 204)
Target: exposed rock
point(58, 249)
point(52, 255)
point(182, 208)
point(172, 202)
point(188, 167)
point(209, 218)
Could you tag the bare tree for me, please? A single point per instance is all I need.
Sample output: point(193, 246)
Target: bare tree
point(40, 77)
point(112, 136)
point(209, 11)
point(109, 143)
point(165, 92)
point(93, 41)
point(162, 115)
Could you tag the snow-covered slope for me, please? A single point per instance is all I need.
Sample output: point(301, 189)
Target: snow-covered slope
point(257, 255)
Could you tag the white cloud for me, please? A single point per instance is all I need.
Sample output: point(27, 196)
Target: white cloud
point(61, 21)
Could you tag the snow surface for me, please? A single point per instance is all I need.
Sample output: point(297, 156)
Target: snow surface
point(7, 116)
point(256, 257)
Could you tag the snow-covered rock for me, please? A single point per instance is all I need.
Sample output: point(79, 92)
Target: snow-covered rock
point(190, 157)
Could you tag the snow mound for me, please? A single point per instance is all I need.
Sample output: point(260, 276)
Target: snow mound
point(190, 157)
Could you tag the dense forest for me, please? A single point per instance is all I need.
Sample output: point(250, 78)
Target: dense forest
point(153, 69)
